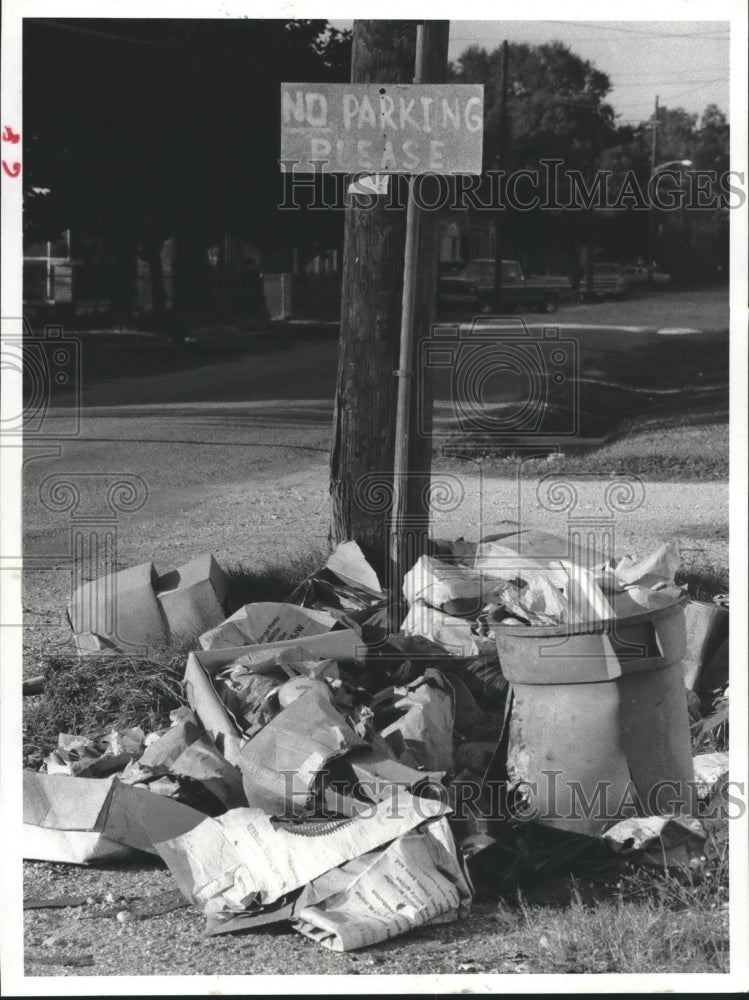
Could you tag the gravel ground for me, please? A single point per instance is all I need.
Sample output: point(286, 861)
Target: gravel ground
point(249, 483)
point(175, 943)
point(264, 520)
point(275, 515)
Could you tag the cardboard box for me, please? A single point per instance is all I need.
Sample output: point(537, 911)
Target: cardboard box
point(81, 820)
point(120, 608)
point(203, 665)
point(135, 608)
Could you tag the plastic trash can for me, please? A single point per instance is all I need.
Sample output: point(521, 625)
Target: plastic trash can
point(597, 729)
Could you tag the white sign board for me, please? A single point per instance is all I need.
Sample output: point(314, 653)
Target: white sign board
point(381, 128)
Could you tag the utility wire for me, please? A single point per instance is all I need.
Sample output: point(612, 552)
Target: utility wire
point(77, 29)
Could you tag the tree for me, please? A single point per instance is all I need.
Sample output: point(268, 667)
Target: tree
point(556, 109)
point(165, 127)
point(556, 103)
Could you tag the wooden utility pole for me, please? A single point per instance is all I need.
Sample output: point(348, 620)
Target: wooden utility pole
point(409, 529)
point(363, 451)
point(651, 218)
point(499, 218)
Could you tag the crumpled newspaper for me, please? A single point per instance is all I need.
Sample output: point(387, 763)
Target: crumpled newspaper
point(659, 840)
point(415, 881)
point(457, 636)
point(82, 757)
point(186, 753)
point(643, 585)
point(246, 859)
point(436, 583)
point(709, 768)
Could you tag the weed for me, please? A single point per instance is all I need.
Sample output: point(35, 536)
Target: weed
point(272, 582)
point(90, 695)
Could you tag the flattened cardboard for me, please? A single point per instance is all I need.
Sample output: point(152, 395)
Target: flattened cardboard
point(80, 819)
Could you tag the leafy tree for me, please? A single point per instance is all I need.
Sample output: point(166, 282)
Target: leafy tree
point(165, 127)
point(556, 103)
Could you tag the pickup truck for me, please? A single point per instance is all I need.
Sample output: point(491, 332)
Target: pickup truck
point(474, 287)
point(608, 282)
point(637, 276)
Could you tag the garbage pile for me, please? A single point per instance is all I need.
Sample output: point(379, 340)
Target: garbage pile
point(358, 783)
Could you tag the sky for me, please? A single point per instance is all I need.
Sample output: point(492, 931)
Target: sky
point(684, 63)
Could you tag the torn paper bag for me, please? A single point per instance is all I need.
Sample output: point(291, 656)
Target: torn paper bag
point(421, 716)
point(415, 881)
point(281, 763)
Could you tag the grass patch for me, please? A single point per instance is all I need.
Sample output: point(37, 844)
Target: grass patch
point(657, 409)
point(643, 936)
point(91, 695)
point(273, 581)
point(666, 454)
point(704, 580)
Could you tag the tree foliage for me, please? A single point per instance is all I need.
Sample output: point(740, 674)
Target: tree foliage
point(556, 103)
point(163, 125)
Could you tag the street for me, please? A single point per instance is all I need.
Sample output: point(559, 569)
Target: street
point(233, 450)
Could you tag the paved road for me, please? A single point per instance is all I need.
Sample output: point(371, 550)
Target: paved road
point(248, 480)
point(300, 363)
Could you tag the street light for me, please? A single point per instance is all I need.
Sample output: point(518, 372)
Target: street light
point(686, 164)
point(671, 163)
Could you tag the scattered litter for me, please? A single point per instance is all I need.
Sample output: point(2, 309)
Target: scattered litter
point(320, 771)
point(35, 957)
point(55, 902)
point(660, 840)
point(709, 768)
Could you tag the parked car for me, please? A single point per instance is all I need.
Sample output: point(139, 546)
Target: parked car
point(474, 287)
point(636, 276)
point(608, 282)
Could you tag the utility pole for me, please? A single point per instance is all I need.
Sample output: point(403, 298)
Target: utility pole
point(363, 451)
point(413, 456)
point(590, 224)
point(651, 217)
point(499, 242)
